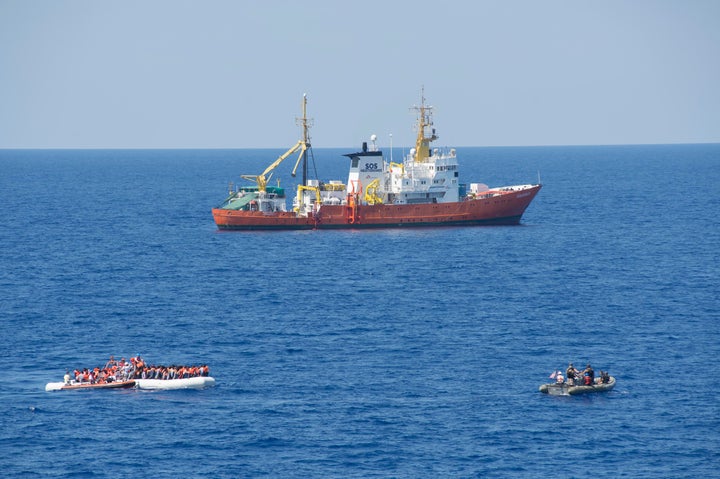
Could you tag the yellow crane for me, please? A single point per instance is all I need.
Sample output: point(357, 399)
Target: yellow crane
point(300, 189)
point(301, 145)
point(371, 196)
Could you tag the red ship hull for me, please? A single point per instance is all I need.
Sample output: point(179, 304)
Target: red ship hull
point(504, 209)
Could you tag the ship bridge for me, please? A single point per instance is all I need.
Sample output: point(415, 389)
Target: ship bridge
point(365, 167)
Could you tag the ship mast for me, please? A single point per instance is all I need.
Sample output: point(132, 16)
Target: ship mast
point(422, 144)
point(305, 123)
point(301, 145)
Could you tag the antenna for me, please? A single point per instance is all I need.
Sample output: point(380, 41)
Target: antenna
point(391, 155)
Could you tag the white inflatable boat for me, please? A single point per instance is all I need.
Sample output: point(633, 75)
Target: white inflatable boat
point(197, 382)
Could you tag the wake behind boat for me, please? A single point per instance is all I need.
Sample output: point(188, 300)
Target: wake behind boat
point(423, 190)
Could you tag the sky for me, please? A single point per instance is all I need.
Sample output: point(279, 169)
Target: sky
point(231, 74)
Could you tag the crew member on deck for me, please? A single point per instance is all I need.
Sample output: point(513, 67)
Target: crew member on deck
point(589, 375)
point(571, 374)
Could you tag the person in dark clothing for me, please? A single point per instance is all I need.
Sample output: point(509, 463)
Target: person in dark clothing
point(571, 374)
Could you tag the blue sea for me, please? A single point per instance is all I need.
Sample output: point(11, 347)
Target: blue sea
point(399, 353)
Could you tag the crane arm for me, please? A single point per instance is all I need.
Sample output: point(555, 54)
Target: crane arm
point(261, 179)
point(371, 196)
point(303, 149)
point(282, 157)
point(302, 145)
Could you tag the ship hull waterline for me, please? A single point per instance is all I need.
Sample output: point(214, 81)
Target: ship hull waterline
point(506, 209)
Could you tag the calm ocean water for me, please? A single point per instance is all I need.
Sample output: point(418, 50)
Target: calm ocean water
point(393, 353)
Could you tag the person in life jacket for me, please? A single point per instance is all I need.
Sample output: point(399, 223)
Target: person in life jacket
point(111, 362)
point(559, 378)
point(589, 375)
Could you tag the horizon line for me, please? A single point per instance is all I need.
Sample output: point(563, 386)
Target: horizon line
point(140, 148)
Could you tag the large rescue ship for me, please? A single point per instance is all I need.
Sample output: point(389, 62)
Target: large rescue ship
point(423, 190)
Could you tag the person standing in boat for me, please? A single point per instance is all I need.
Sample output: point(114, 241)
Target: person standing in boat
point(571, 374)
point(589, 375)
point(111, 362)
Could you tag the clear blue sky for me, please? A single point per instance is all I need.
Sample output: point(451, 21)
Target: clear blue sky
point(231, 74)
